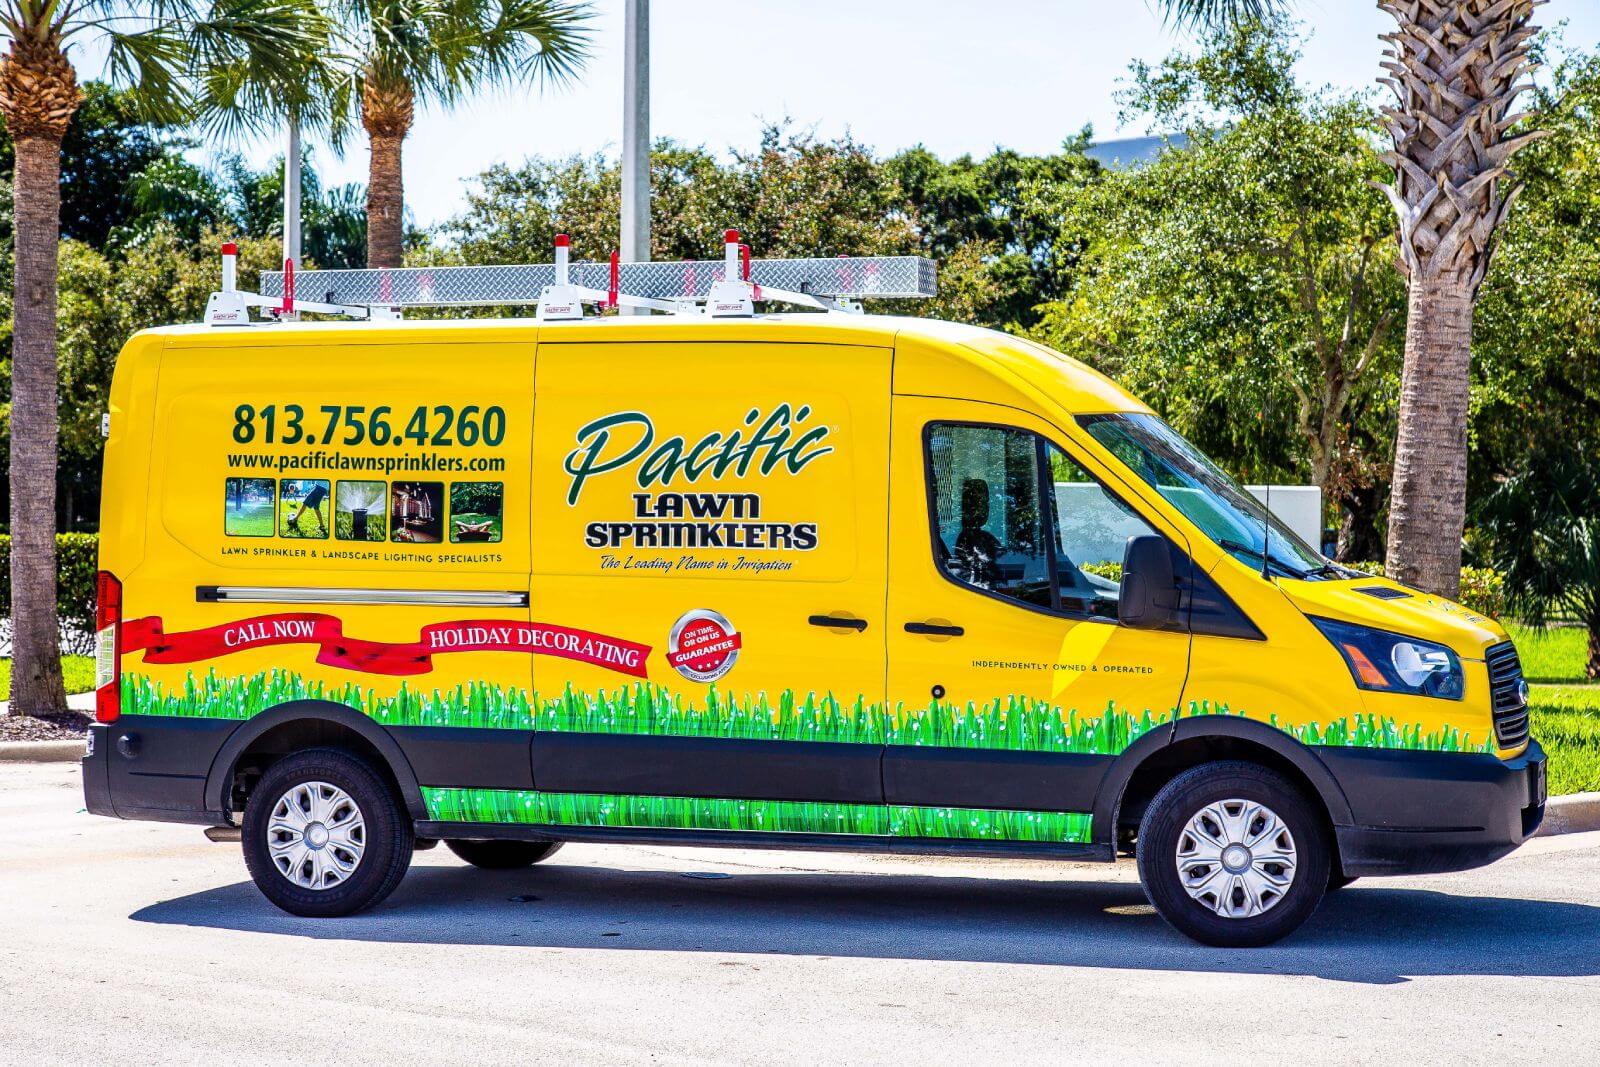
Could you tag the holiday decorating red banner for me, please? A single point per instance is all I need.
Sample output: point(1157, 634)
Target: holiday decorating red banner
point(382, 657)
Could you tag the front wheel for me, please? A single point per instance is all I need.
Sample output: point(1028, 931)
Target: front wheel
point(503, 855)
point(1233, 855)
point(324, 835)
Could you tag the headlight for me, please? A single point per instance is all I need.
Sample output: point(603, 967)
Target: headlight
point(1395, 663)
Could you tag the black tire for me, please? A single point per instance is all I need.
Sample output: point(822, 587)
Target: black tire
point(1164, 825)
point(503, 855)
point(388, 837)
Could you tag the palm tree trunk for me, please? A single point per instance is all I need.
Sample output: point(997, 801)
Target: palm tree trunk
point(1428, 507)
point(36, 654)
point(385, 201)
point(1592, 669)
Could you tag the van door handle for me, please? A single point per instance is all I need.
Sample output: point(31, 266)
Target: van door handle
point(928, 629)
point(838, 622)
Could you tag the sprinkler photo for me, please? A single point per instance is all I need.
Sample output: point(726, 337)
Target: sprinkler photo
point(358, 512)
point(248, 507)
point(303, 508)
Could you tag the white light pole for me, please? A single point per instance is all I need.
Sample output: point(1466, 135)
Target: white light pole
point(636, 136)
point(291, 196)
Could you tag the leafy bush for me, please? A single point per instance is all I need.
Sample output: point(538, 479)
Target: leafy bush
point(1104, 569)
point(77, 559)
point(1482, 588)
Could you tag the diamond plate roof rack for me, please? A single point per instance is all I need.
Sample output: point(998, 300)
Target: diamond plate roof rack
point(727, 288)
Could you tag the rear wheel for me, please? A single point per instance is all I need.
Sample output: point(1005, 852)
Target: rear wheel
point(503, 855)
point(1232, 854)
point(324, 835)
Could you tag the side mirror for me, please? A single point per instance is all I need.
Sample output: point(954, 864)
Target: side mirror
point(1149, 597)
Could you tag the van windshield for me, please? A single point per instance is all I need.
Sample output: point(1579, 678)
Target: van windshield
point(1222, 508)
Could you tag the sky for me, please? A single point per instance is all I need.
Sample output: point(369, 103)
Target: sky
point(955, 76)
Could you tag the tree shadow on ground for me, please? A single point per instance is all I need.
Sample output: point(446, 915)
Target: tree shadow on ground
point(1366, 933)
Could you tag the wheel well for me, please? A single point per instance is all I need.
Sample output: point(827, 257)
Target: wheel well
point(1169, 762)
point(297, 735)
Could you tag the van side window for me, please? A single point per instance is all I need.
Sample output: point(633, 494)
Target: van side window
point(984, 486)
point(1092, 529)
point(1016, 517)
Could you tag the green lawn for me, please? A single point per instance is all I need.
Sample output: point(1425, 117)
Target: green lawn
point(1566, 721)
point(251, 520)
point(78, 672)
point(1551, 655)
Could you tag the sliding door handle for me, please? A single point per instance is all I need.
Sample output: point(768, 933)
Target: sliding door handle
point(929, 629)
point(838, 622)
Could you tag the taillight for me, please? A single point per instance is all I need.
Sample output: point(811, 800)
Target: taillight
point(107, 647)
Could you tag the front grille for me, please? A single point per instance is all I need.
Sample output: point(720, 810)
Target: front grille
point(1506, 695)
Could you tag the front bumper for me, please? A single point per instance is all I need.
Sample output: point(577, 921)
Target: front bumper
point(1430, 812)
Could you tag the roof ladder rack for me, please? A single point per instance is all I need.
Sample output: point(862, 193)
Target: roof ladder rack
point(727, 288)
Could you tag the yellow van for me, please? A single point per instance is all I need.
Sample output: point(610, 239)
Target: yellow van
point(795, 580)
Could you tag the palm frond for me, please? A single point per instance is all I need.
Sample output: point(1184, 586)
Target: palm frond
point(1218, 14)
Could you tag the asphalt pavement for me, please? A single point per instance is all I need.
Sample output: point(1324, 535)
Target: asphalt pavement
point(139, 942)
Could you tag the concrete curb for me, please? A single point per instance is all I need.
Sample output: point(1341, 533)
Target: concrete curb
point(1573, 814)
point(41, 751)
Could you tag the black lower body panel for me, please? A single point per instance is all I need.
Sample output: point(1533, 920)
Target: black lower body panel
point(624, 835)
point(992, 778)
point(713, 767)
point(1430, 812)
point(154, 767)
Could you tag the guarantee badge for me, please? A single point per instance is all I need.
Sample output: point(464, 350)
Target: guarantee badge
point(703, 645)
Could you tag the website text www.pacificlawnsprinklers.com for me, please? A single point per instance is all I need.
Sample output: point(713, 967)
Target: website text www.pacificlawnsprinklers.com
point(332, 461)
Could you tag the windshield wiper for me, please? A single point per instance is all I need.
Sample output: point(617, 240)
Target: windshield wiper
point(1293, 572)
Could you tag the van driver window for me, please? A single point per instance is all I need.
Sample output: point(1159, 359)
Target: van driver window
point(1092, 529)
point(985, 489)
point(992, 510)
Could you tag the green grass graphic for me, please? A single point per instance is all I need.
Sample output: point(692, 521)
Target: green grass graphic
point(782, 816)
point(214, 697)
point(1011, 723)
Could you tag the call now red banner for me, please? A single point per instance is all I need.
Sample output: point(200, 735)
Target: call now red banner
point(382, 657)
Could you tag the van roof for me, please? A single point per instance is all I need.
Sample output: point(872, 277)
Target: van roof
point(933, 357)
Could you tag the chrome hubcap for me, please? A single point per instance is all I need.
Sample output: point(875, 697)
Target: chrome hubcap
point(1236, 858)
point(316, 835)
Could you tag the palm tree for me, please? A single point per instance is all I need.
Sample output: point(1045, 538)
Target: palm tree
point(179, 56)
point(411, 51)
point(1456, 68)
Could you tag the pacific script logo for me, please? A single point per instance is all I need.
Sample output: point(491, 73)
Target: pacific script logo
point(775, 440)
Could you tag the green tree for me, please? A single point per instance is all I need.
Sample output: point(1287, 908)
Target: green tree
point(1006, 210)
point(236, 199)
point(437, 51)
point(1545, 525)
point(795, 195)
point(1456, 69)
point(1247, 273)
point(165, 52)
point(1536, 336)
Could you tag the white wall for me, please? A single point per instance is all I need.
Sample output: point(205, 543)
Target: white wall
point(1098, 532)
point(1298, 507)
